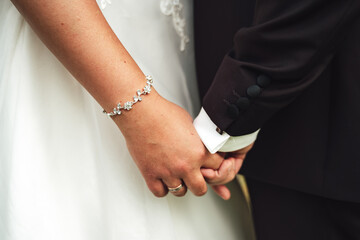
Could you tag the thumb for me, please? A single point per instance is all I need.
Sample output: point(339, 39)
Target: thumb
point(213, 160)
point(208, 173)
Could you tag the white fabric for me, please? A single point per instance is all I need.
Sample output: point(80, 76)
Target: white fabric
point(207, 132)
point(214, 141)
point(239, 142)
point(65, 172)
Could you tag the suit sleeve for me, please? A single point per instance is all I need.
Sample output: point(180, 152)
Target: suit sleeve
point(272, 62)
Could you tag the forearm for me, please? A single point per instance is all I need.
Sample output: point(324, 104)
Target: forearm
point(290, 42)
point(79, 36)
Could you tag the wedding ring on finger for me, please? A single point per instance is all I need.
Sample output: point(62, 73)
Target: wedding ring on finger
point(175, 189)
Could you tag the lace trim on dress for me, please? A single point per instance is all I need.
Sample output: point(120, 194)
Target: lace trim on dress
point(169, 8)
point(104, 3)
point(173, 8)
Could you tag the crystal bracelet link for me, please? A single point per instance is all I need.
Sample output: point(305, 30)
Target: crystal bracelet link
point(137, 98)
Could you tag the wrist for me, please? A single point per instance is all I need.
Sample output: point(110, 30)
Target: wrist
point(121, 90)
point(142, 116)
point(128, 105)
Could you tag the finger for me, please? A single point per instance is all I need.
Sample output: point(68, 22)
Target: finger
point(222, 191)
point(222, 174)
point(195, 182)
point(211, 174)
point(175, 183)
point(225, 173)
point(156, 186)
point(208, 173)
point(238, 163)
point(214, 160)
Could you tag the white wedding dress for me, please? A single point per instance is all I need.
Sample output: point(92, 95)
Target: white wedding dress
point(65, 172)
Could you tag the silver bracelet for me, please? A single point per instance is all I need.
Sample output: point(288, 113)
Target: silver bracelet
point(137, 98)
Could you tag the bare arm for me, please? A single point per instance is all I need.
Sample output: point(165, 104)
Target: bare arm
point(79, 36)
point(161, 139)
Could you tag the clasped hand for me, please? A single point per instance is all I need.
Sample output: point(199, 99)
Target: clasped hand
point(168, 151)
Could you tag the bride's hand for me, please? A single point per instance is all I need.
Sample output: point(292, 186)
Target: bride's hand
point(160, 135)
point(165, 146)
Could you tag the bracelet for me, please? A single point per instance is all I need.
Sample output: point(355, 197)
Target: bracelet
point(137, 98)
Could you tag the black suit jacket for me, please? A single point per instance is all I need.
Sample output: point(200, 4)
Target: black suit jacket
point(294, 73)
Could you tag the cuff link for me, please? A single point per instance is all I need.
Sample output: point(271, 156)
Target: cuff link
point(221, 132)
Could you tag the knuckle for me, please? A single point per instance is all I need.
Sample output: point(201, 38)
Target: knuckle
point(159, 194)
point(157, 191)
point(198, 153)
point(165, 174)
point(201, 191)
point(202, 153)
point(217, 179)
point(182, 169)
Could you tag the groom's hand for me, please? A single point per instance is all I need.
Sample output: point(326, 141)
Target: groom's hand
point(166, 147)
point(227, 171)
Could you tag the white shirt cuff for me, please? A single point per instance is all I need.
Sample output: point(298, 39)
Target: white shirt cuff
point(237, 143)
point(214, 141)
point(206, 129)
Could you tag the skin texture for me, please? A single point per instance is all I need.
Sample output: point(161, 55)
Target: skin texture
point(161, 139)
point(227, 171)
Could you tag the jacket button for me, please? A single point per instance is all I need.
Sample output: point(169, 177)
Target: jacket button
point(253, 91)
point(263, 81)
point(233, 111)
point(243, 103)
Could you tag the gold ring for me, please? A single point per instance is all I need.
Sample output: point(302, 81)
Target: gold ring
point(176, 189)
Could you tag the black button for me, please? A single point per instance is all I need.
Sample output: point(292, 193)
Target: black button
point(263, 81)
point(243, 103)
point(233, 111)
point(253, 91)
